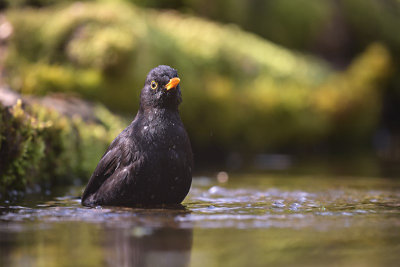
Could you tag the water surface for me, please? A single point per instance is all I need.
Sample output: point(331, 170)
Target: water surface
point(250, 220)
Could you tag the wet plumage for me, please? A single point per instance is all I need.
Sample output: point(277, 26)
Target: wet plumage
point(150, 162)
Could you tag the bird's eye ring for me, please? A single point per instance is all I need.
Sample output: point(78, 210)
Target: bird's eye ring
point(153, 85)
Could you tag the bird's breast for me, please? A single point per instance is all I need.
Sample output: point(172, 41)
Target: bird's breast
point(163, 134)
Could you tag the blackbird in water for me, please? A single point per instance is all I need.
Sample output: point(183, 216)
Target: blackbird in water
point(150, 162)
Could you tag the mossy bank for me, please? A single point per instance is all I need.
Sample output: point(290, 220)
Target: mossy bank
point(42, 146)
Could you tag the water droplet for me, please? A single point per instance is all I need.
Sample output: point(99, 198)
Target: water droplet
point(222, 177)
point(214, 190)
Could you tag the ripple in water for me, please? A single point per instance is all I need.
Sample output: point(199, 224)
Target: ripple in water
point(214, 206)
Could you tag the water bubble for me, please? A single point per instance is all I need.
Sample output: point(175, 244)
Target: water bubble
point(222, 177)
point(214, 190)
point(294, 206)
point(302, 199)
point(278, 204)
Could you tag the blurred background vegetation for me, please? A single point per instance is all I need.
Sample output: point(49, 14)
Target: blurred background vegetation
point(302, 77)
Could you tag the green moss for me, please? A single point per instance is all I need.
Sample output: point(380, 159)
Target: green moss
point(19, 142)
point(41, 146)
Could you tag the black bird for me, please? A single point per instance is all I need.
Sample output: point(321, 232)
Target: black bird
point(150, 162)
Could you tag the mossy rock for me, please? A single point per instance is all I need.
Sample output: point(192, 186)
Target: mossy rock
point(41, 145)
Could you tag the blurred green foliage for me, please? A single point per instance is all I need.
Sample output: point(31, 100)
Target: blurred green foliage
point(241, 92)
point(38, 145)
point(300, 24)
point(291, 23)
point(33, 3)
point(307, 25)
point(337, 30)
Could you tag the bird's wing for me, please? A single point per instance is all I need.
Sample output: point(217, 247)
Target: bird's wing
point(119, 154)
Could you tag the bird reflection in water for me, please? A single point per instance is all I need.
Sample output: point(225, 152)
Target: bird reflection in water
point(149, 244)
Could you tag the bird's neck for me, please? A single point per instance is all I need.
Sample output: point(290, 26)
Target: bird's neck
point(156, 114)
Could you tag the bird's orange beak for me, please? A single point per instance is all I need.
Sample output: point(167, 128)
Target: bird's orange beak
point(172, 83)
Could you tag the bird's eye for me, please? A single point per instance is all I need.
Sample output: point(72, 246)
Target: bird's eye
point(153, 85)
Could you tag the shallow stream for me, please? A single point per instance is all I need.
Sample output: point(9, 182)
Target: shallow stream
point(250, 220)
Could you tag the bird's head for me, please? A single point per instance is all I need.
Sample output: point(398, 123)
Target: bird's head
point(161, 89)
